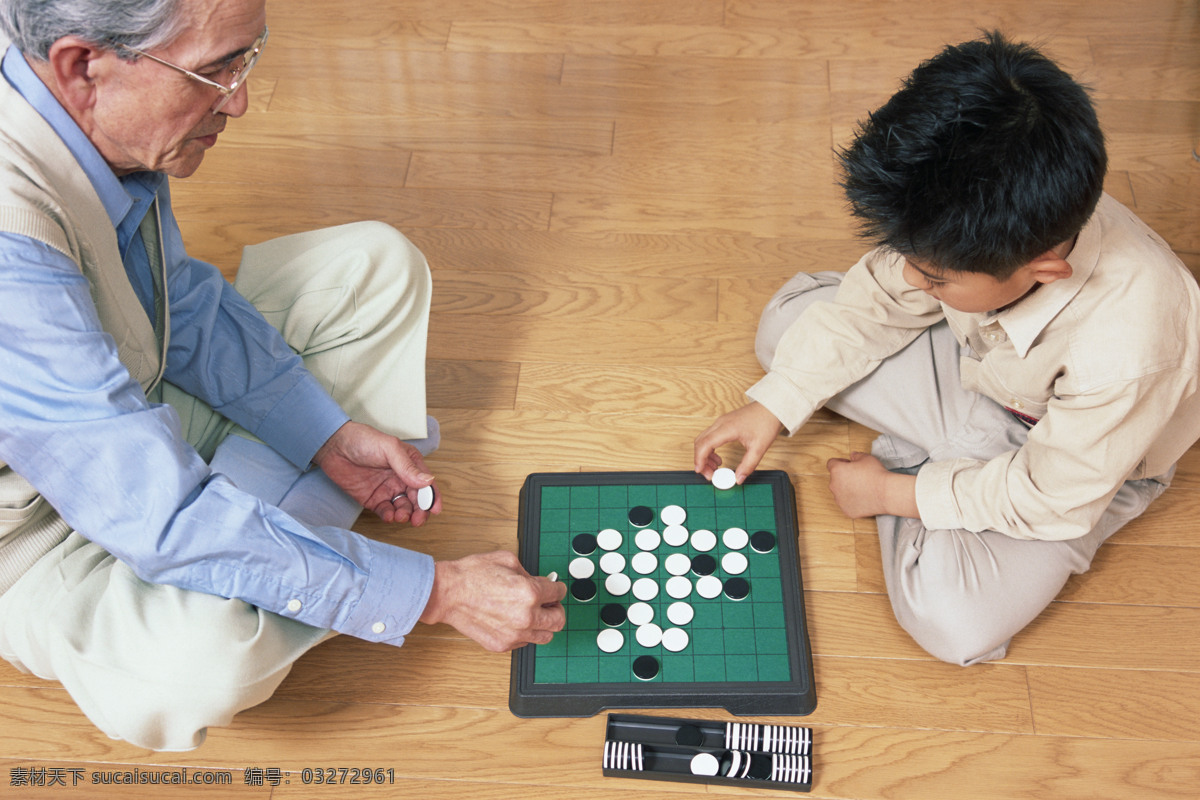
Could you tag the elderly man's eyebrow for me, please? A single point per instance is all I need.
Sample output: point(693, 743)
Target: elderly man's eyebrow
point(226, 59)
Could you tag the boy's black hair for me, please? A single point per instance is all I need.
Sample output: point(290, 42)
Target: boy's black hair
point(989, 156)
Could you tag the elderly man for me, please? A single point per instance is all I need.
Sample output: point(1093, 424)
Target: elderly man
point(182, 458)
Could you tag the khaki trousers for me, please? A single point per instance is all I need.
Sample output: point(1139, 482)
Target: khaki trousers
point(156, 665)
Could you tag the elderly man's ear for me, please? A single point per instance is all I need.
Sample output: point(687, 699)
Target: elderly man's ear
point(72, 70)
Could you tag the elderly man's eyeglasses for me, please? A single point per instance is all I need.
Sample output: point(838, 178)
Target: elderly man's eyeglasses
point(232, 73)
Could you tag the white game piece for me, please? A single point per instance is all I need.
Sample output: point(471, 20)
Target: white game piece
point(617, 584)
point(680, 613)
point(649, 635)
point(610, 640)
point(608, 539)
point(644, 563)
point(679, 587)
point(425, 498)
point(705, 764)
point(724, 478)
point(673, 515)
point(612, 563)
point(709, 587)
point(734, 563)
point(581, 567)
point(678, 564)
point(639, 614)
point(704, 540)
point(735, 538)
point(675, 535)
point(647, 539)
point(675, 639)
point(645, 588)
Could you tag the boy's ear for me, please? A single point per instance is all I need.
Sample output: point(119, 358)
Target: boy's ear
point(1050, 267)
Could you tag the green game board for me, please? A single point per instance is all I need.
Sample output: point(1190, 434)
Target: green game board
point(749, 655)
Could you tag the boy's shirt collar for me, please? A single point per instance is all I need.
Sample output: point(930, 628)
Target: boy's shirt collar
point(1024, 321)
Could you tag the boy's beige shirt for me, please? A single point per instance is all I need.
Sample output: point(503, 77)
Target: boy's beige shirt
point(1107, 360)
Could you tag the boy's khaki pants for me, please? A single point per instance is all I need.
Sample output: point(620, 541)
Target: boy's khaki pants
point(156, 665)
point(961, 595)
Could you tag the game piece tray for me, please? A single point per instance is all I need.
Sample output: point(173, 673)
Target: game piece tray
point(749, 655)
point(744, 754)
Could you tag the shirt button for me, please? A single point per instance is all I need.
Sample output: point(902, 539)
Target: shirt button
point(378, 627)
point(294, 605)
point(1017, 404)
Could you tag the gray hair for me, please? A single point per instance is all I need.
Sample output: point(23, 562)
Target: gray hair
point(34, 25)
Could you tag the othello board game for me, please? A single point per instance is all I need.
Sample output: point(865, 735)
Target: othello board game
point(680, 595)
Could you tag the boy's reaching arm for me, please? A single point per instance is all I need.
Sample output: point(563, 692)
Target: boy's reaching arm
point(874, 314)
point(752, 426)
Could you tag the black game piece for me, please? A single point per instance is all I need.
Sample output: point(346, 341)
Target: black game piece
point(585, 544)
point(612, 614)
point(645, 667)
point(689, 736)
point(583, 589)
point(704, 564)
point(760, 767)
point(737, 588)
point(641, 516)
point(763, 542)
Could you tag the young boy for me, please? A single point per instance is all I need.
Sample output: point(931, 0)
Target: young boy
point(1027, 347)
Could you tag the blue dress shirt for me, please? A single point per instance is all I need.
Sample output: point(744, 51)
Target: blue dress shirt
point(79, 428)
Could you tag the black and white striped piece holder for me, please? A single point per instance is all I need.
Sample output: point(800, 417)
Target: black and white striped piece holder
point(704, 751)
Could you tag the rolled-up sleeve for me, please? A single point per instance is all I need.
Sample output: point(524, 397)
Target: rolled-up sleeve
point(874, 314)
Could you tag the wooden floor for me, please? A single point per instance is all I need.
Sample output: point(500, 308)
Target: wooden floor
point(608, 191)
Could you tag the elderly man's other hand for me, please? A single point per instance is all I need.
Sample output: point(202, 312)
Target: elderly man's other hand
point(380, 471)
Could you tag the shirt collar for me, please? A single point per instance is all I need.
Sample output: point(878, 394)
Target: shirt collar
point(1025, 321)
point(118, 195)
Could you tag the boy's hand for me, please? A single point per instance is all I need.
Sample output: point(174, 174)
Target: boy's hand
point(753, 426)
point(863, 487)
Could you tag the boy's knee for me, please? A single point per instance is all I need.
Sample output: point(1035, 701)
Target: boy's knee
point(955, 634)
point(786, 306)
point(948, 592)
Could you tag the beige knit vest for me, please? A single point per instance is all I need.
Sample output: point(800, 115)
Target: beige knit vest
point(44, 194)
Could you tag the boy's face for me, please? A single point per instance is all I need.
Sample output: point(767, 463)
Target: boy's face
point(977, 292)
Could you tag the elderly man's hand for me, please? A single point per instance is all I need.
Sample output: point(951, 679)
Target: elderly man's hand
point(490, 598)
point(380, 471)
